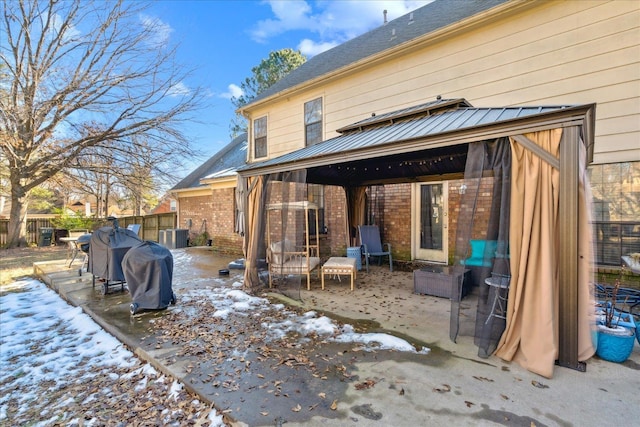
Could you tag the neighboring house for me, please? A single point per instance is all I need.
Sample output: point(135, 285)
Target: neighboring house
point(167, 204)
point(206, 198)
point(395, 109)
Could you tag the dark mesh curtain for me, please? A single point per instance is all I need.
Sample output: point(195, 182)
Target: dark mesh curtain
point(286, 226)
point(488, 166)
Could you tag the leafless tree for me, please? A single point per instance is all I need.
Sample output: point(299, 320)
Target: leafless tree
point(75, 65)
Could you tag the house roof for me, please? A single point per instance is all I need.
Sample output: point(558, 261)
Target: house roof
point(422, 142)
point(222, 164)
point(421, 22)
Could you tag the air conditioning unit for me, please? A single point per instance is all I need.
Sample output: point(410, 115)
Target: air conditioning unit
point(173, 238)
point(180, 237)
point(162, 237)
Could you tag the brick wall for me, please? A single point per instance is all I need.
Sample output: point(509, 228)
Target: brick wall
point(214, 214)
point(397, 220)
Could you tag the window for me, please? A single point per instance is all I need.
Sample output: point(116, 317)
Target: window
point(315, 194)
point(260, 137)
point(172, 205)
point(313, 122)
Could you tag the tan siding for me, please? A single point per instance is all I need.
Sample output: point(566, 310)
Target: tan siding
point(565, 52)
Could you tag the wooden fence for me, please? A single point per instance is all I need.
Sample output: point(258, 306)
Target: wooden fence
point(150, 226)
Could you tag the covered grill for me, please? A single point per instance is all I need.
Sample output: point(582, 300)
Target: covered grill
point(107, 248)
point(148, 270)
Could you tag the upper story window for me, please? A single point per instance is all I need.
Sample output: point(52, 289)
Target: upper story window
point(313, 121)
point(260, 137)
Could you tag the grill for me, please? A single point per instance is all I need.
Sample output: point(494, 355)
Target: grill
point(107, 248)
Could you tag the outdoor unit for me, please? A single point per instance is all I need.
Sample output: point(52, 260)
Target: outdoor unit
point(180, 237)
point(162, 237)
point(173, 238)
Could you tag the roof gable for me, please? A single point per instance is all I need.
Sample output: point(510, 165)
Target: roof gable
point(223, 163)
point(424, 20)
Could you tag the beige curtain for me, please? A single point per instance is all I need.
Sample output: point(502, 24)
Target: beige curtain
point(531, 334)
point(251, 245)
point(241, 196)
point(355, 212)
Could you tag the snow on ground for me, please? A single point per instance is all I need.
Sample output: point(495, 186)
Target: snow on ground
point(228, 301)
point(57, 366)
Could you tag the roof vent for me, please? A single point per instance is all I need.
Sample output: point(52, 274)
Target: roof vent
point(410, 18)
point(384, 14)
point(439, 97)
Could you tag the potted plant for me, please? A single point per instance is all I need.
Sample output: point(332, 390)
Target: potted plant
point(616, 329)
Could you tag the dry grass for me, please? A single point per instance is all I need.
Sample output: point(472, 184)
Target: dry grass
point(18, 262)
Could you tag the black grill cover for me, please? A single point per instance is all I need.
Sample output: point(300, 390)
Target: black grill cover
point(148, 269)
point(107, 248)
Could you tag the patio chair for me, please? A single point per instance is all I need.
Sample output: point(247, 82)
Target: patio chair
point(370, 241)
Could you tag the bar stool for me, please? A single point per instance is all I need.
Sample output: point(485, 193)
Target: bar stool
point(500, 285)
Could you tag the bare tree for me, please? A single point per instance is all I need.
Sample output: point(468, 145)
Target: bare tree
point(79, 64)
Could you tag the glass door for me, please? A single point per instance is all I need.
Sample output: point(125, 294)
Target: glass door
point(430, 222)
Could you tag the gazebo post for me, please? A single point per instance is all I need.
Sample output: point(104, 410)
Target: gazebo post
point(569, 232)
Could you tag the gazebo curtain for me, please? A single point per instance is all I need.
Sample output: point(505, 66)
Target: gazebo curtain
point(253, 243)
point(531, 334)
point(273, 225)
point(356, 207)
point(488, 169)
point(524, 222)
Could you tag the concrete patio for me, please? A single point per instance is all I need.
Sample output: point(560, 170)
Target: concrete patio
point(450, 385)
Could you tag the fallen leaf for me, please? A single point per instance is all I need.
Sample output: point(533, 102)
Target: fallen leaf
point(469, 404)
point(538, 384)
point(334, 405)
point(322, 395)
point(401, 392)
point(365, 384)
point(264, 413)
point(504, 397)
point(445, 388)
point(483, 379)
point(296, 408)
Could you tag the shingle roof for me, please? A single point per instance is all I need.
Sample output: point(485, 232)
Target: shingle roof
point(426, 19)
point(224, 163)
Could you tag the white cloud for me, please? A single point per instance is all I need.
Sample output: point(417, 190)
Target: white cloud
point(310, 48)
point(333, 21)
point(179, 89)
point(234, 91)
point(71, 33)
point(159, 32)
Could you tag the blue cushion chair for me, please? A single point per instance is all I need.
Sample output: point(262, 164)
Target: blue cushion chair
point(482, 253)
point(370, 241)
point(481, 260)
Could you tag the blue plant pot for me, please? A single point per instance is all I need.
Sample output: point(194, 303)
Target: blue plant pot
point(614, 347)
point(638, 333)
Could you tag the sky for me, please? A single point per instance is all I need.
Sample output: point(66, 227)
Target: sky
point(221, 41)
